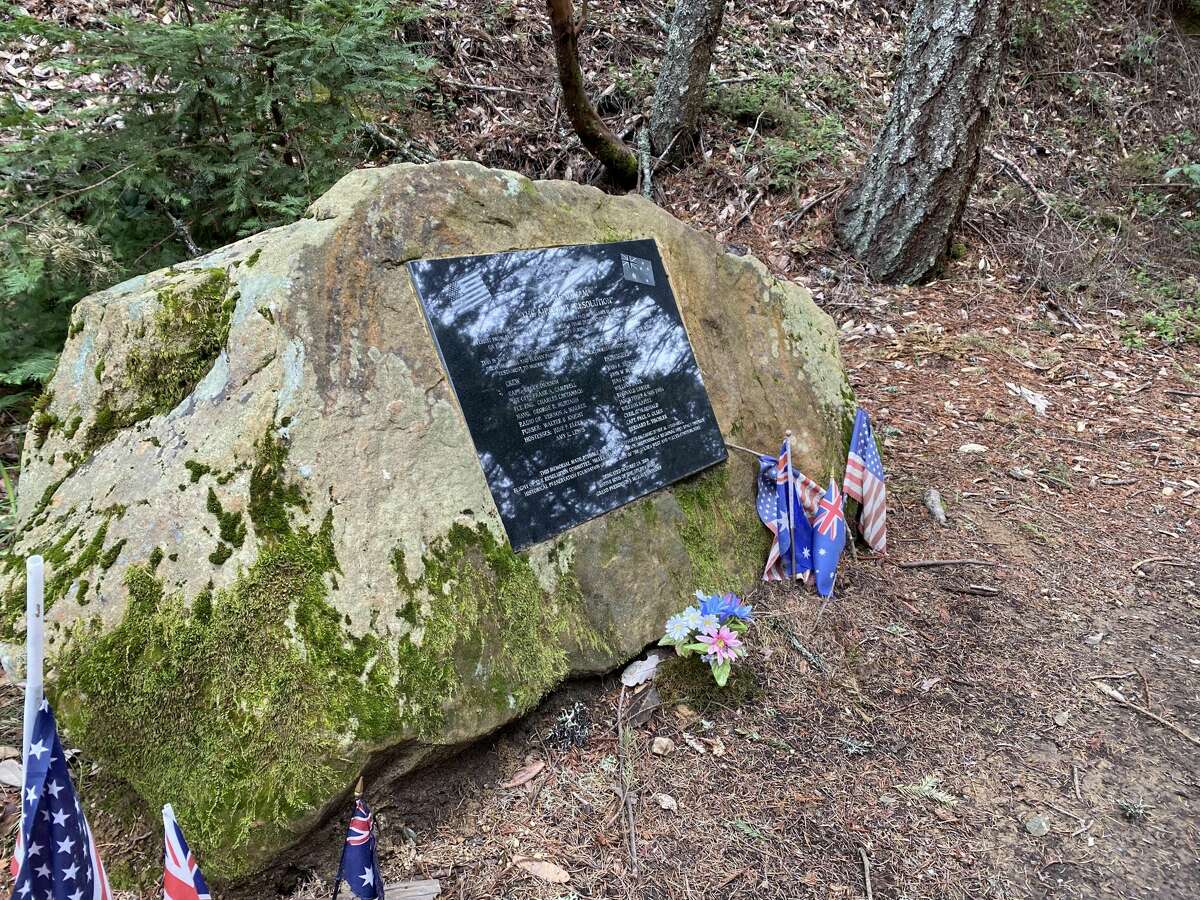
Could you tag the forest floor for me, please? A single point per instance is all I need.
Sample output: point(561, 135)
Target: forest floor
point(1074, 281)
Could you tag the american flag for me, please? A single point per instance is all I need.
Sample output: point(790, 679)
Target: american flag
point(773, 499)
point(57, 858)
point(181, 873)
point(360, 866)
point(828, 538)
point(469, 292)
point(865, 483)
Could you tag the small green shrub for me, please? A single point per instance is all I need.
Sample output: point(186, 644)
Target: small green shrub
point(1173, 316)
point(761, 102)
point(1037, 23)
point(226, 121)
point(793, 139)
point(1139, 52)
point(789, 161)
point(1187, 173)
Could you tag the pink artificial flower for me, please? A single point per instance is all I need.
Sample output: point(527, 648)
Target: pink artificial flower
point(722, 643)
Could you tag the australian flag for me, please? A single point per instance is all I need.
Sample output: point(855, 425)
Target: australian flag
point(360, 867)
point(828, 538)
point(181, 873)
point(776, 493)
point(57, 857)
point(865, 483)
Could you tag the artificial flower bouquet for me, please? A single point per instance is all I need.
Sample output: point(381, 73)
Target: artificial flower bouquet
point(713, 629)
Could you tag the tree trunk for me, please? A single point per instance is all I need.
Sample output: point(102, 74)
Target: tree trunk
point(902, 214)
point(596, 137)
point(679, 95)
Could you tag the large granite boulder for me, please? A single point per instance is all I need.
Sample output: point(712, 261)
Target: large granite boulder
point(272, 554)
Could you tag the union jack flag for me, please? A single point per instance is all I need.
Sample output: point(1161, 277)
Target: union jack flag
point(181, 873)
point(360, 866)
point(57, 856)
point(865, 483)
point(775, 494)
point(828, 539)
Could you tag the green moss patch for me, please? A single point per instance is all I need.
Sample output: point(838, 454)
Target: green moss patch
point(231, 527)
point(242, 703)
point(254, 703)
point(196, 470)
point(479, 604)
point(188, 331)
point(70, 556)
point(725, 541)
point(42, 422)
point(271, 494)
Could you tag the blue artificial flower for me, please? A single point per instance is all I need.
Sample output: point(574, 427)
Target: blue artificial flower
point(724, 607)
point(737, 609)
point(713, 605)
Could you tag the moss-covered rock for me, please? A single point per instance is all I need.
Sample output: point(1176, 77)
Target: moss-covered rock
point(273, 558)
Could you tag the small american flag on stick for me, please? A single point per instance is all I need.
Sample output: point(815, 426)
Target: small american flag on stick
point(865, 483)
point(57, 855)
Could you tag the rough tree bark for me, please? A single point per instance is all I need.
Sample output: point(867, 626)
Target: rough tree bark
point(679, 95)
point(900, 217)
point(596, 137)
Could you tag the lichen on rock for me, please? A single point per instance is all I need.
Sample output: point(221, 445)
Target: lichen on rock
point(170, 355)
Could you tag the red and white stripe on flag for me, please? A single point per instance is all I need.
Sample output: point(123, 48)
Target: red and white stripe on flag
point(180, 869)
point(100, 888)
point(810, 492)
point(862, 485)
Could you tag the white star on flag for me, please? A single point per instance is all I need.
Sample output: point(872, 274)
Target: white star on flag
point(367, 876)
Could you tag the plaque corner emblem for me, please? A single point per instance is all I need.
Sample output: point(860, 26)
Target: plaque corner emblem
point(637, 269)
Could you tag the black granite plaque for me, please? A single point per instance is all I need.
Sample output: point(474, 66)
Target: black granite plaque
point(575, 375)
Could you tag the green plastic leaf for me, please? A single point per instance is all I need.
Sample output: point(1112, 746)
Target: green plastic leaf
point(721, 672)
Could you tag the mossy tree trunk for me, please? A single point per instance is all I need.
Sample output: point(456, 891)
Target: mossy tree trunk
point(900, 217)
point(597, 138)
point(679, 95)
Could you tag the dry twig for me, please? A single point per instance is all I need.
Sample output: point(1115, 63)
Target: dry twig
point(1117, 697)
point(930, 563)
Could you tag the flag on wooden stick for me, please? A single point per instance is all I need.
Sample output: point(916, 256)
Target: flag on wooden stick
point(781, 507)
point(828, 538)
point(865, 483)
point(360, 863)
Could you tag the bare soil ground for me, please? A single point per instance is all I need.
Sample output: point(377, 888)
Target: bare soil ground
point(986, 676)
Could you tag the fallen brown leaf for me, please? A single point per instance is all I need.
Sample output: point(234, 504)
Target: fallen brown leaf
point(525, 773)
point(543, 869)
